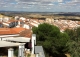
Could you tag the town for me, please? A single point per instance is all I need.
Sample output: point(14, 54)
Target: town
point(28, 23)
point(17, 32)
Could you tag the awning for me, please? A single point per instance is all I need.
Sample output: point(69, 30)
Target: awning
point(9, 44)
point(17, 39)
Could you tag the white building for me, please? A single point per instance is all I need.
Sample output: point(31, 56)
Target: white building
point(12, 38)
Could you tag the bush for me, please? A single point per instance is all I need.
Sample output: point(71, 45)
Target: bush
point(16, 52)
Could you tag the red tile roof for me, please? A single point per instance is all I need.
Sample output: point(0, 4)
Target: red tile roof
point(26, 33)
point(11, 20)
point(78, 23)
point(7, 31)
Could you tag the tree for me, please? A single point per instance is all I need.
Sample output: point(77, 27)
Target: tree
point(50, 37)
point(74, 34)
point(74, 48)
point(71, 33)
point(74, 43)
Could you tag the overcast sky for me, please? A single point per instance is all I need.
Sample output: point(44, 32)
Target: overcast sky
point(41, 5)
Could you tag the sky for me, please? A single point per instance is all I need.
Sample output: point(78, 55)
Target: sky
point(40, 5)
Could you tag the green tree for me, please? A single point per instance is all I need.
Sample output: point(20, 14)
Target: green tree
point(50, 37)
point(71, 33)
point(74, 48)
point(74, 34)
point(16, 52)
point(74, 43)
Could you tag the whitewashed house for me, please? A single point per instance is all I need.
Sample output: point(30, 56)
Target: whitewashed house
point(11, 38)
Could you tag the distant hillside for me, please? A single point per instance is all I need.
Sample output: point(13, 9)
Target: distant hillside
point(70, 14)
point(54, 15)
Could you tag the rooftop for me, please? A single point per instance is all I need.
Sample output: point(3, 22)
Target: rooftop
point(9, 31)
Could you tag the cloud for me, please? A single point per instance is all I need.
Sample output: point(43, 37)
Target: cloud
point(27, 0)
point(60, 0)
point(76, 0)
point(36, 5)
point(51, 4)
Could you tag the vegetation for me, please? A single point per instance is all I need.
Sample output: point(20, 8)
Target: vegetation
point(16, 52)
point(50, 37)
point(28, 55)
point(74, 43)
point(57, 43)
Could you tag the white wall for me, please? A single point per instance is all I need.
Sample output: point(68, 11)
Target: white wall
point(33, 42)
point(21, 51)
point(10, 52)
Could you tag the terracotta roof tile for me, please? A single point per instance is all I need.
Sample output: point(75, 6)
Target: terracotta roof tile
point(7, 31)
point(18, 30)
point(26, 33)
point(78, 22)
point(11, 20)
